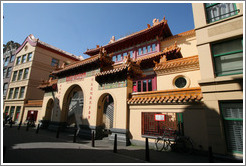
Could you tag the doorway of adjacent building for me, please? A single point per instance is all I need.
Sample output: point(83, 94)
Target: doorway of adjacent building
point(105, 117)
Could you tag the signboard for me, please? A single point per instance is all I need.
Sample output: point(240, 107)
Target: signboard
point(160, 117)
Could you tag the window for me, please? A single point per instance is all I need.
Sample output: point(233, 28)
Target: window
point(114, 58)
point(23, 59)
point(180, 82)
point(26, 73)
point(54, 62)
point(6, 61)
point(12, 58)
point(139, 51)
point(12, 110)
point(6, 111)
point(14, 76)
point(232, 113)
point(148, 48)
point(144, 50)
point(153, 47)
point(5, 87)
point(17, 114)
point(8, 72)
point(124, 55)
point(22, 92)
point(4, 72)
point(18, 60)
point(20, 74)
point(144, 85)
point(10, 93)
point(218, 11)
point(29, 57)
point(16, 93)
point(228, 57)
point(119, 57)
point(131, 54)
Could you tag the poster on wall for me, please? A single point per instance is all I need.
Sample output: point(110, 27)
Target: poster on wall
point(160, 117)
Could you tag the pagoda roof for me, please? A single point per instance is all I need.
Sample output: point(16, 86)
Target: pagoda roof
point(167, 96)
point(36, 42)
point(187, 61)
point(127, 68)
point(160, 29)
point(101, 59)
point(48, 84)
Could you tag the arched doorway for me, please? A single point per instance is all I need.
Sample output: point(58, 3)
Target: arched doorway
point(73, 106)
point(105, 114)
point(49, 109)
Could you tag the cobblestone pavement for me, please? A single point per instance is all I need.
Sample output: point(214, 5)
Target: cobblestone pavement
point(23, 146)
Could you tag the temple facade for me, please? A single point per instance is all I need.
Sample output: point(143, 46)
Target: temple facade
point(150, 81)
point(127, 84)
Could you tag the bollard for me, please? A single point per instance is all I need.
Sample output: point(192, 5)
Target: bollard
point(115, 143)
point(58, 132)
point(74, 136)
point(93, 139)
point(27, 126)
point(37, 129)
point(210, 155)
point(19, 125)
point(146, 149)
point(11, 123)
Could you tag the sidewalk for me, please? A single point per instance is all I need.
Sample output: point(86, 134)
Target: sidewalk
point(28, 147)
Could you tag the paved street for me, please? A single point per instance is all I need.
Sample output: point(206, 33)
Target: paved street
point(28, 147)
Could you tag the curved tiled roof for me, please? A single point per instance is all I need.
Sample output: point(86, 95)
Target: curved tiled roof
point(167, 96)
point(161, 24)
point(77, 64)
point(177, 63)
point(48, 83)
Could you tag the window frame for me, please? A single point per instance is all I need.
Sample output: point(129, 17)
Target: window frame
point(225, 54)
point(153, 84)
point(214, 4)
point(8, 73)
point(5, 88)
point(10, 93)
point(221, 102)
point(16, 94)
point(21, 95)
point(6, 62)
point(54, 64)
point(19, 77)
point(28, 58)
point(18, 60)
point(14, 76)
point(25, 75)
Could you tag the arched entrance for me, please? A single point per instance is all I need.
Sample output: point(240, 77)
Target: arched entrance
point(49, 109)
point(73, 106)
point(105, 114)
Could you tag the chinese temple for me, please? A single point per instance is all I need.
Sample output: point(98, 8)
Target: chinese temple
point(135, 87)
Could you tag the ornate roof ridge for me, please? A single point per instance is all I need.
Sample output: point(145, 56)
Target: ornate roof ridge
point(176, 62)
point(167, 96)
point(155, 24)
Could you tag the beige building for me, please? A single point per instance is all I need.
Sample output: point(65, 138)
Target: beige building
point(126, 84)
point(219, 32)
point(34, 62)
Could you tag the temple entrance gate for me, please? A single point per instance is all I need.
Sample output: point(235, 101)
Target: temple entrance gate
point(105, 114)
point(73, 106)
point(49, 109)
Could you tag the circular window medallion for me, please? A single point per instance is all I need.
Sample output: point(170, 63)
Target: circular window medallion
point(180, 82)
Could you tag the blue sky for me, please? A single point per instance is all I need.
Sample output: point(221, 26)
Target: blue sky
point(74, 27)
